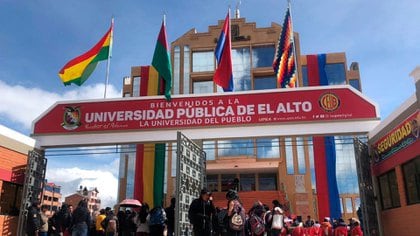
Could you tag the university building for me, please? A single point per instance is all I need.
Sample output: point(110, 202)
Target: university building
point(280, 167)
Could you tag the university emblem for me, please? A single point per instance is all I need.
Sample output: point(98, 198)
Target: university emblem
point(329, 102)
point(71, 118)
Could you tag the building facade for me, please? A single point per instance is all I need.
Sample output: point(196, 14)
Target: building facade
point(14, 148)
point(51, 197)
point(395, 151)
point(91, 196)
point(262, 168)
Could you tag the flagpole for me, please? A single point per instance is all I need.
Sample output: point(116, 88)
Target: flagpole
point(109, 56)
point(289, 5)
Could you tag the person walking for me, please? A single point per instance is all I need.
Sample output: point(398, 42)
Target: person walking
point(200, 213)
point(100, 231)
point(170, 215)
point(141, 221)
point(235, 214)
point(43, 230)
point(81, 220)
point(277, 222)
point(157, 219)
point(33, 220)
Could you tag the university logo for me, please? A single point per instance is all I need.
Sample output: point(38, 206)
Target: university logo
point(329, 102)
point(71, 118)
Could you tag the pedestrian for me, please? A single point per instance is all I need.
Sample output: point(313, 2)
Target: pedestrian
point(277, 223)
point(356, 228)
point(61, 221)
point(235, 214)
point(100, 231)
point(80, 220)
point(110, 224)
point(170, 215)
point(157, 219)
point(43, 230)
point(141, 221)
point(341, 229)
point(326, 227)
point(33, 221)
point(201, 212)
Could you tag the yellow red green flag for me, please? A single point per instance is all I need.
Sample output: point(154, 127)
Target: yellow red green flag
point(78, 70)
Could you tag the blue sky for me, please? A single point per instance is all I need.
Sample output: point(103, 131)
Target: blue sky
point(38, 37)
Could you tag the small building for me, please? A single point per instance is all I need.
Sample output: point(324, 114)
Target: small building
point(395, 151)
point(51, 197)
point(14, 148)
point(91, 196)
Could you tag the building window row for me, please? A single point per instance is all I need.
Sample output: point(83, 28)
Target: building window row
point(389, 190)
point(242, 182)
point(411, 173)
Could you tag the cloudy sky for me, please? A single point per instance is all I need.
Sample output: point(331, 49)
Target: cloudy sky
point(38, 37)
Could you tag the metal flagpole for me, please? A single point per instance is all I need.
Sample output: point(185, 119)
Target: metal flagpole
point(289, 5)
point(109, 56)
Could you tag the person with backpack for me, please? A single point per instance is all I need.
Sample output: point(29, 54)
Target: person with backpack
point(157, 219)
point(110, 224)
point(220, 222)
point(256, 220)
point(201, 212)
point(235, 214)
point(277, 222)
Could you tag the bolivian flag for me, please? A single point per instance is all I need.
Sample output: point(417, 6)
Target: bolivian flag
point(79, 69)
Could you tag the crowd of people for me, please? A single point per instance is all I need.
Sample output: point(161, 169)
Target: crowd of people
point(205, 218)
point(104, 222)
point(260, 220)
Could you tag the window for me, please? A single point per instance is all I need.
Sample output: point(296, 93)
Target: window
point(267, 181)
point(227, 181)
point(177, 62)
point(209, 147)
point(346, 170)
point(336, 73)
point(266, 82)
point(305, 76)
point(235, 148)
point(289, 155)
point(300, 147)
point(389, 190)
point(11, 196)
point(349, 205)
point(202, 61)
point(186, 70)
point(247, 182)
point(262, 56)
point(241, 63)
point(213, 183)
point(174, 160)
point(200, 87)
point(411, 172)
point(311, 162)
point(136, 86)
point(268, 148)
point(355, 83)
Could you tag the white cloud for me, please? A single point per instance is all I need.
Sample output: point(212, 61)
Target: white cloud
point(71, 178)
point(22, 105)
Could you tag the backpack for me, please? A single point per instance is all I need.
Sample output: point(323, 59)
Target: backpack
point(221, 215)
point(237, 220)
point(111, 226)
point(156, 217)
point(257, 225)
